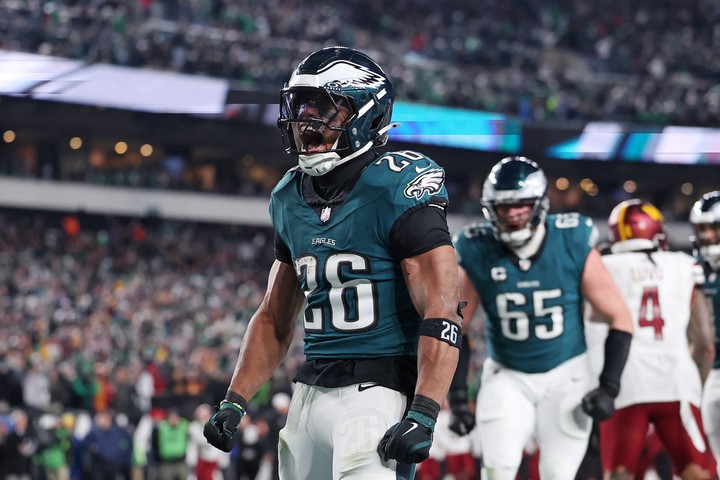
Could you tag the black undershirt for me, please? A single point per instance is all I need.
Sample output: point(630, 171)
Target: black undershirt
point(341, 179)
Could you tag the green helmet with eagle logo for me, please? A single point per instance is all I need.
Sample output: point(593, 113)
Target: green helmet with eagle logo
point(515, 180)
point(705, 219)
point(330, 78)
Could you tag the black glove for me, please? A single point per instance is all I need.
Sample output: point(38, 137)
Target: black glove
point(599, 404)
point(221, 427)
point(462, 420)
point(408, 441)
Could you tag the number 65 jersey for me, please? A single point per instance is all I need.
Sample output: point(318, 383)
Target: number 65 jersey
point(533, 306)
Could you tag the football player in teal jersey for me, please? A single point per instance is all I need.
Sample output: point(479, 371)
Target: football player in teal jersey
point(531, 273)
point(362, 243)
point(705, 220)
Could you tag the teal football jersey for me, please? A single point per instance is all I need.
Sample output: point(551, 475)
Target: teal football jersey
point(711, 288)
point(358, 305)
point(533, 307)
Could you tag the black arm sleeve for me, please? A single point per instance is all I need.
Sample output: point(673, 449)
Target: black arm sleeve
point(617, 347)
point(282, 252)
point(420, 229)
point(458, 393)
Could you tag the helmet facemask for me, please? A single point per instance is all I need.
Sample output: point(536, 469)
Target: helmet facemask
point(515, 181)
point(340, 94)
point(707, 240)
point(315, 120)
point(507, 229)
point(705, 219)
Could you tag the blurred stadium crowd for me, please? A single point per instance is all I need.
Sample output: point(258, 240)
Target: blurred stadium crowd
point(131, 319)
point(647, 62)
point(118, 316)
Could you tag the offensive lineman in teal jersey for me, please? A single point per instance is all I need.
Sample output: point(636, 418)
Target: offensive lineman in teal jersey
point(705, 220)
point(362, 242)
point(531, 273)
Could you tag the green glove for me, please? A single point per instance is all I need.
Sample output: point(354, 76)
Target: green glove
point(408, 441)
point(220, 429)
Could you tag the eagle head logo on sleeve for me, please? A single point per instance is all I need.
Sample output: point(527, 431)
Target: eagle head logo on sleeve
point(430, 182)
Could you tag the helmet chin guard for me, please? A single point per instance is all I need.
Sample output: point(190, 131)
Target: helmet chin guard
point(319, 164)
point(517, 238)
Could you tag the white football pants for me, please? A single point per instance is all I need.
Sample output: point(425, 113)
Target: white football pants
point(513, 406)
point(333, 433)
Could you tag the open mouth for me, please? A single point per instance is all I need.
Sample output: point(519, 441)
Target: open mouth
point(313, 141)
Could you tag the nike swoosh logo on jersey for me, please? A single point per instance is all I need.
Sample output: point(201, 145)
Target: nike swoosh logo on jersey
point(414, 426)
point(365, 386)
point(420, 170)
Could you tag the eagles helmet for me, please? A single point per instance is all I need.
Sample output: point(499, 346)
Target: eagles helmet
point(636, 225)
point(515, 180)
point(705, 219)
point(332, 79)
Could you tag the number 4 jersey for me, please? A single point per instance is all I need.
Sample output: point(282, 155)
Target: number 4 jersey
point(657, 288)
point(533, 307)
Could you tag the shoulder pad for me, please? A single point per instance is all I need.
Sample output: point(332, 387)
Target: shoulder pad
point(576, 225)
point(569, 220)
point(474, 230)
point(417, 177)
point(404, 161)
point(286, 179)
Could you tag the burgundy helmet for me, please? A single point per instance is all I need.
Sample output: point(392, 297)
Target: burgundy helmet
point(637, 225)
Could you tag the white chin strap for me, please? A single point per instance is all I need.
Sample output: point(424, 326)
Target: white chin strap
point(526, 242)
point(516, 238)
point(318, 164)
point(711, 253)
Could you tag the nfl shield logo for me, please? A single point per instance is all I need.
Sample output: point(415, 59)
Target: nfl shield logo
point(325, 214)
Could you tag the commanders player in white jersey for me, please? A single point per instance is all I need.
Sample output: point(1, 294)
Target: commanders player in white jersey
point(705, 220)
point(661, 384)
point(531, 273)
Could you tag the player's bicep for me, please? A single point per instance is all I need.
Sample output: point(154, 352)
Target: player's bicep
point(701, 333)
point(283, 298)
point(700, 328)
point(432, 280)
point(468, 293)
point(599, 288)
